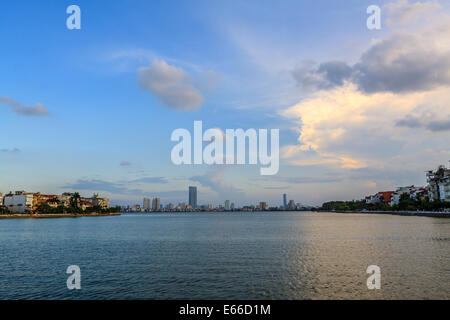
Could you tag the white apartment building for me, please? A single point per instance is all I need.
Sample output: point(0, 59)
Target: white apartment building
point(438, 183)
point(444, 190)
point(20, 202)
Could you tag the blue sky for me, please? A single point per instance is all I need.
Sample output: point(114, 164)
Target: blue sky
point(104, 132)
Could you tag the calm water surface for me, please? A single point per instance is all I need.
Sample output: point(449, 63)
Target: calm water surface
point(226, 256)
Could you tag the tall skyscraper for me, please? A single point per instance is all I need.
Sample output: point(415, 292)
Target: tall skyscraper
point(291, 205)
point(156, 205)
point(285, 201)
point(146, 204)
point(193, 197)
point(227, 205)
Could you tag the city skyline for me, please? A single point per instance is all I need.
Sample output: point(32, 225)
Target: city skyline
point(358, 110)
point(154, 203)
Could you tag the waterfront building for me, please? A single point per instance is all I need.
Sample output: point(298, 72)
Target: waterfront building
point(444, 189)
point(39, 199)
point(86, 204)
point(384, 197)
point(156, 204)
point(1, 199)
point(439, 184)
point(64, 199)
point(146, 204)
point(232, 206)
point(100, 202)
point(284, 201)
point(227, 205)
point(263, 205)
point(20, 202)
point(193, 197)
point(416, 193)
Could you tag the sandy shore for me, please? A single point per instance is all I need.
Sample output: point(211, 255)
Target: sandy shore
point(56, 215)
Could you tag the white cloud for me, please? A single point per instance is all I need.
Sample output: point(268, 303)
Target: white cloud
point(172, 85)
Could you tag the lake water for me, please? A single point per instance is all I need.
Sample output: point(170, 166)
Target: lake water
point(266, 255)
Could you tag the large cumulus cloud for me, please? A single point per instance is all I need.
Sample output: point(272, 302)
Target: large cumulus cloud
point(389, 109)
point(399, 64)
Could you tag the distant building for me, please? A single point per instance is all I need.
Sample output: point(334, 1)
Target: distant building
point(227, 205)
point(232, 206)
point(206, 207)
point(135, 208)
point(285, 201)
point(156, 204)
point(193, 197)
point(263, 205)
point(291, 205)
point(20, 202)
point(146, 204)
point(1, 199)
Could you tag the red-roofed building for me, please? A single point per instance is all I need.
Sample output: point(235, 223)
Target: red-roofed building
point(380, 197)
point(385, 196)
point(86, 204)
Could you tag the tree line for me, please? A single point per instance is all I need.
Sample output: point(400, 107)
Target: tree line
point(405, 204)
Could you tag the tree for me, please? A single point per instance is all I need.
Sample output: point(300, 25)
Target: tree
point(75, 200)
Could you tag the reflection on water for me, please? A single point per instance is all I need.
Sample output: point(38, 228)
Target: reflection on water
point(226, 256)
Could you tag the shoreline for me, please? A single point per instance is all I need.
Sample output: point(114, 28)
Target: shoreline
point(56, 215)
point(430, 214)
